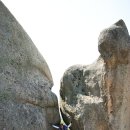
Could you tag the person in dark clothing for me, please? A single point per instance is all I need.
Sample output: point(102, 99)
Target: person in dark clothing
point(62, 126)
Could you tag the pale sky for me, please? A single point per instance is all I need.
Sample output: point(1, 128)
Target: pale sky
point(66, 31)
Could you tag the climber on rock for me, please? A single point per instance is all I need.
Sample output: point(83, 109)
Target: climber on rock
point(62, 126)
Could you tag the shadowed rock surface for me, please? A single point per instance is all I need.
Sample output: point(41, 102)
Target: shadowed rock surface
point(97, 96)
point(26, 100)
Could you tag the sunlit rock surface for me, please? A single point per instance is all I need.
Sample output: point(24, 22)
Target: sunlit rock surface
point(26, 100)
point(97, 96)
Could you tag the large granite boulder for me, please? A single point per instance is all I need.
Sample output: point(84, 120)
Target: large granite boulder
point(97, 96)
point(26, 100)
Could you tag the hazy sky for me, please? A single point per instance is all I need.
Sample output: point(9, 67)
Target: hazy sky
point(66, 31)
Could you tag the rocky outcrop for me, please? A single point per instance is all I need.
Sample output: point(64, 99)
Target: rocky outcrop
point(97, 96)
point(26, 100)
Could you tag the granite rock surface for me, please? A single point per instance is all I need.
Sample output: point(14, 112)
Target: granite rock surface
point(26, 100)
point(97, 96)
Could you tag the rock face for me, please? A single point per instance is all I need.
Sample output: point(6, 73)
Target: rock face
point(26, 100)
point(97, 96)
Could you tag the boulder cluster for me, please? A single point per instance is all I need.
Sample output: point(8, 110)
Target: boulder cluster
point(93, 97)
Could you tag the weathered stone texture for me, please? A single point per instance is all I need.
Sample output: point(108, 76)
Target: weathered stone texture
point(26, 100)
point(97, 96)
